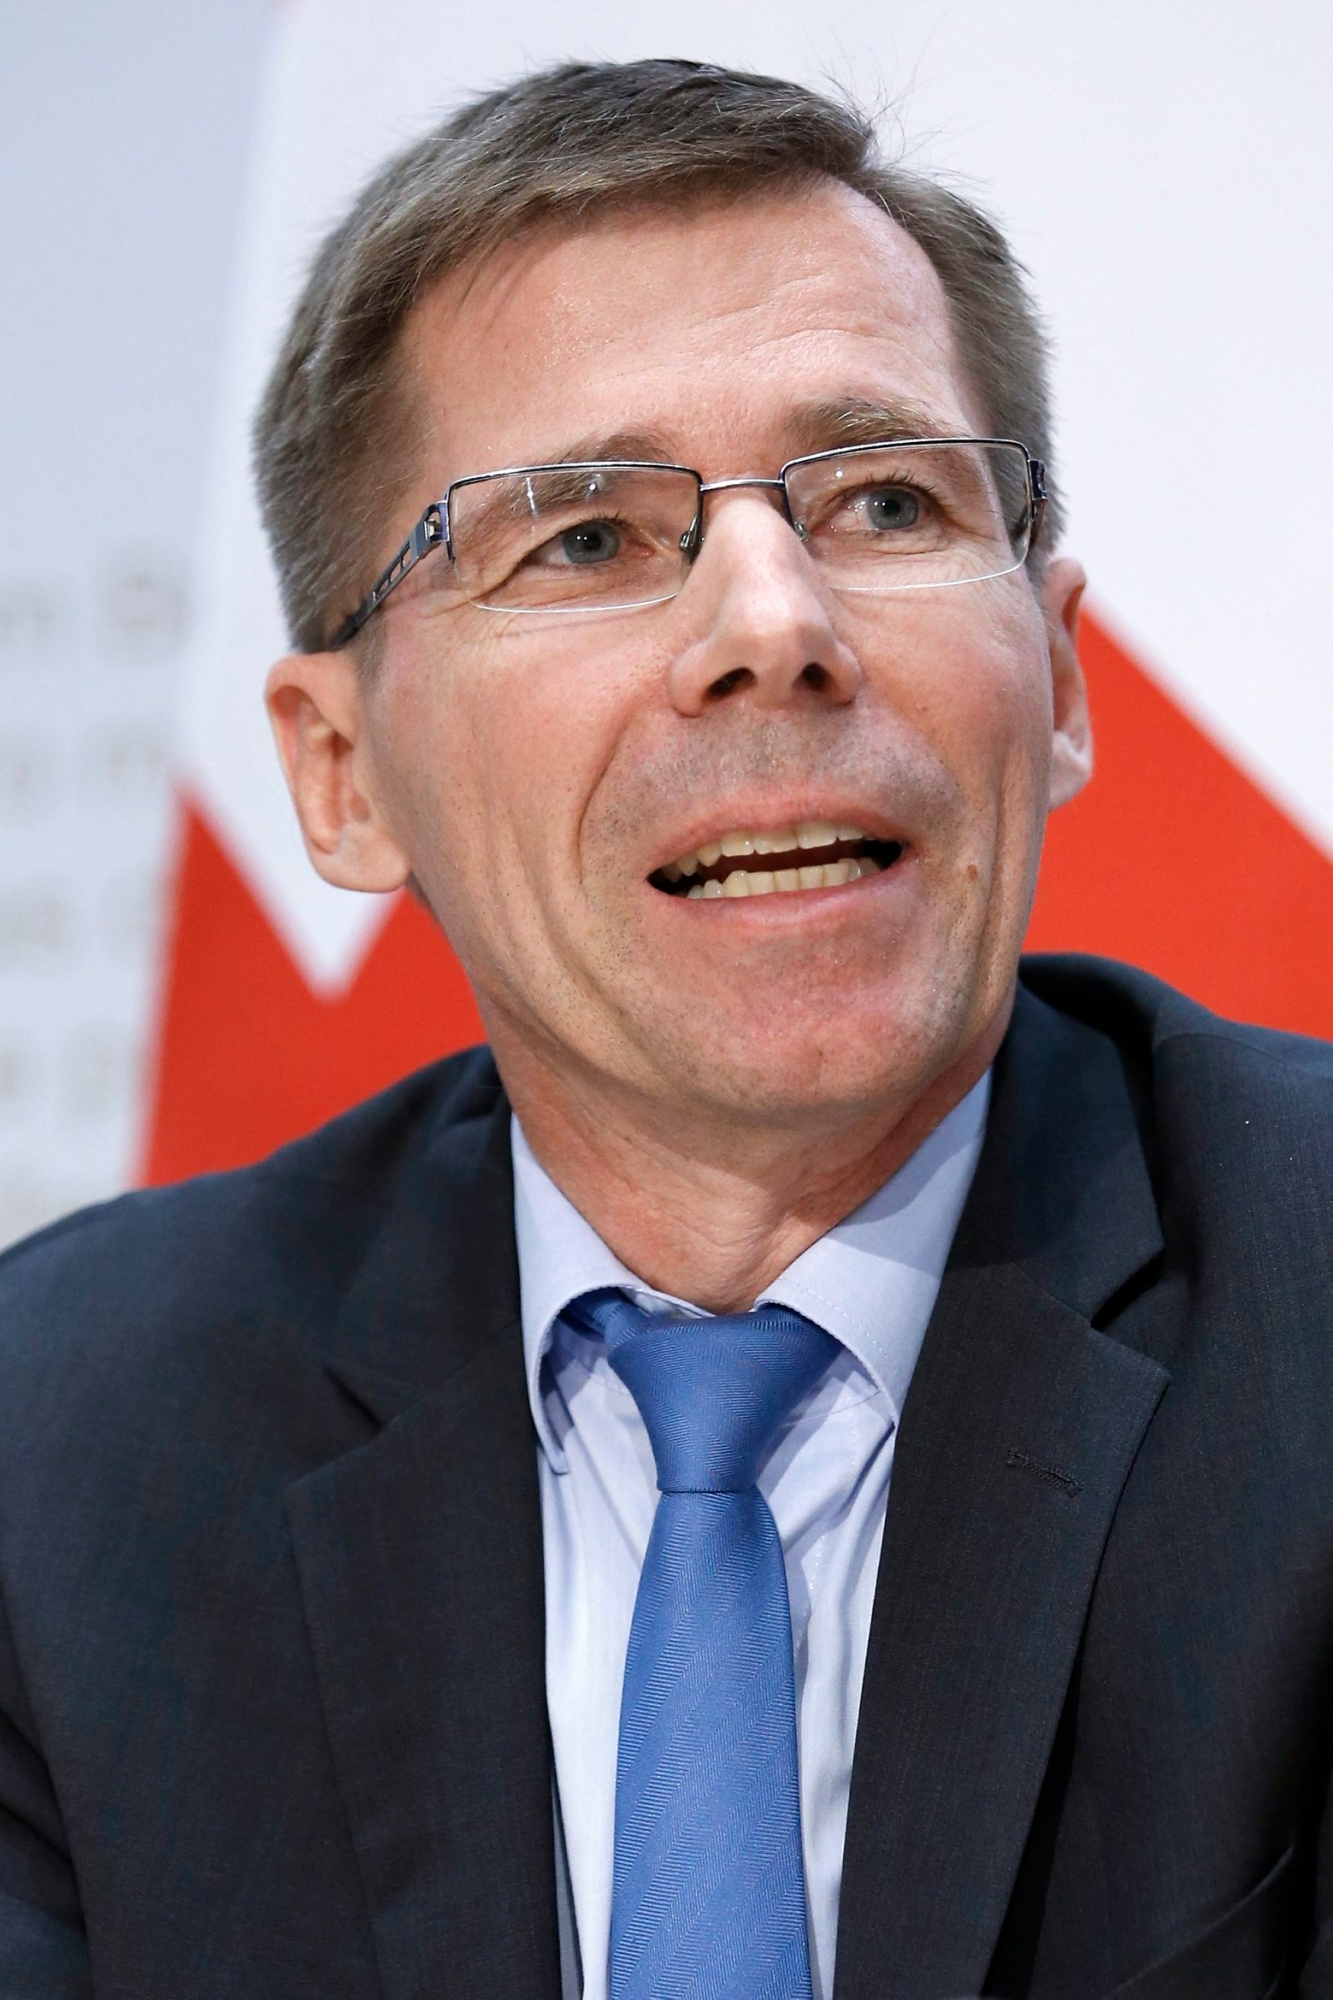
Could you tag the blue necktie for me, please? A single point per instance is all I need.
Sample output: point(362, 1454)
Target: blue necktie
point(709, 1888)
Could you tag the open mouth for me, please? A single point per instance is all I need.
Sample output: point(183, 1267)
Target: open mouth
point(814, 855)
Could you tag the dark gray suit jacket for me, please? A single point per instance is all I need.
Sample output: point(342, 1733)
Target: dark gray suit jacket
point(272, 1718)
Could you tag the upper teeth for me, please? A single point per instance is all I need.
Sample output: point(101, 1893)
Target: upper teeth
point(810, 833)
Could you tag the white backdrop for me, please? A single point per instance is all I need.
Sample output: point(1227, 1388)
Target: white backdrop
point(1165, 172)
point(123, 134)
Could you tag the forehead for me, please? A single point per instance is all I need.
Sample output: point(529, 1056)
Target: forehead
point(711, 330)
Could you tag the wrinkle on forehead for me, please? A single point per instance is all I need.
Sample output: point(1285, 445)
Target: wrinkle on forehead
point(731, 300)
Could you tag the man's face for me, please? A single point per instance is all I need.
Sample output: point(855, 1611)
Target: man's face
point(538, 774)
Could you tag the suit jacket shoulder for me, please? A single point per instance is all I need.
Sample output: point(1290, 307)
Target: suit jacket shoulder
point(165, 1358)
point(1153, 1023)
point(261, 1254)
point(1236, 1124)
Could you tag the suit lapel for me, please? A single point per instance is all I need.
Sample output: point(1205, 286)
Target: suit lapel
point(420, 1565)
point(1018, 1433)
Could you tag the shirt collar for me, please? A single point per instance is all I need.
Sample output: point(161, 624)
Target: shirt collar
point(870, 1282)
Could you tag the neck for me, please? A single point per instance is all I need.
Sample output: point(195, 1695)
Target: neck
point(714, 1215)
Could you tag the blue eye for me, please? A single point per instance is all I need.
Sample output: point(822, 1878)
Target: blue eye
point(892, 507)
point(590, 542)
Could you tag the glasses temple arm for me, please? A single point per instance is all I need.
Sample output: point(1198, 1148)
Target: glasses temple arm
point(1038, 497)
point(428, 534)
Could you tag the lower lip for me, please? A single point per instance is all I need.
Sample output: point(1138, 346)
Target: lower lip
point(790, 906)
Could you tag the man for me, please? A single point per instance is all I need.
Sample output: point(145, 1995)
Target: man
point(805, 1469)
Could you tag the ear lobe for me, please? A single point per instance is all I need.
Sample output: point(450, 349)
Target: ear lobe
point(1071, 743)
point(317, 713)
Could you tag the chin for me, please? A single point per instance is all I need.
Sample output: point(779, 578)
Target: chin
point(844, 1065)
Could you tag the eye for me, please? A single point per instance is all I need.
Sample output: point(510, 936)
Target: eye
point(889, 507)
point(586, 543)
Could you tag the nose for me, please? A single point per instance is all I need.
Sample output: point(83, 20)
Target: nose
point(762, 629)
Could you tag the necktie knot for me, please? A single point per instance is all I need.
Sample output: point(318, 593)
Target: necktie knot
point(713, 1393)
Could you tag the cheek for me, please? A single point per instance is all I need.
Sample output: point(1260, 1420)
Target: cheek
point(984, 704)
point(495, 749)
point(1006, 709)
point(424, 727)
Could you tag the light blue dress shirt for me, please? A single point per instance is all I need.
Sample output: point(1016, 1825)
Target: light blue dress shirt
point(871, 1283)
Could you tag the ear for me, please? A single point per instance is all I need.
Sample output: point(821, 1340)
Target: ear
point(1071, 750)
point(316, 705)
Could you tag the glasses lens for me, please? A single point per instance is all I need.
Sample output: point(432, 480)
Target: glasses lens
point(573, 537)
point(914, 516)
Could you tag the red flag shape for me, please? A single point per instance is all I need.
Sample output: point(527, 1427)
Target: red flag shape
point(1175, 860)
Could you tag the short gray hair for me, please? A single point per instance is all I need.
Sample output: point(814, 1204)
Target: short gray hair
point(334, 433)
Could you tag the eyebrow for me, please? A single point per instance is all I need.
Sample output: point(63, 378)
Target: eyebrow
point(817, 426)
point(650, 447)
point(843, 420)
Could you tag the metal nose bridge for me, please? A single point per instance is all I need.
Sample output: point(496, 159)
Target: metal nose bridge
point(694, 541)
point(751, 479)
